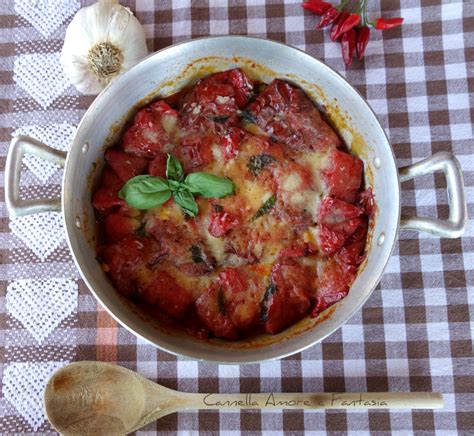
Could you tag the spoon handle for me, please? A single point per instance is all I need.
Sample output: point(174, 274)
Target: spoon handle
point(365, 400)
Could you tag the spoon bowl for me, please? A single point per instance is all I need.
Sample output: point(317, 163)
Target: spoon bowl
point(94, 397)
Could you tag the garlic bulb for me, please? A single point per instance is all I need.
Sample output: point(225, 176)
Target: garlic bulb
point(102, 41)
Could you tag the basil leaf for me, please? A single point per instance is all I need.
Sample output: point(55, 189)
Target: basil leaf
point(266, 207)
point(248, 117)
point(174, 185)
point(208, 185)
point(154, 184)
point(174, 170)
point(196, 254)
point(258, 162)
point(146, 184)
point(134, 181)
point(220, 119)
point(269, 292)
point(145, 192)
point(142, 200)
point(187, 202)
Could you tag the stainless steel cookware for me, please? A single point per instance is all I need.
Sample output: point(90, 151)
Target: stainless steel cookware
point(167, 71)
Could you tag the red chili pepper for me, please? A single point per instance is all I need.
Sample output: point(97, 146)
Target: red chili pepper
point(348, 42)
point(345, 25)
point(328, 18)
point(316, 7)
point(337, 25)
point(388, 23)
point(363, 36)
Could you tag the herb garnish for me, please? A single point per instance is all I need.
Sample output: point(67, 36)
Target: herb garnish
point(196, 254)
point(141, 231)
point(263, 305)
point(266, 207)
point(220, 119)
point(174, 170)
point(248, 117)
point(258, 162)
point(221, 301)
point(145, 192)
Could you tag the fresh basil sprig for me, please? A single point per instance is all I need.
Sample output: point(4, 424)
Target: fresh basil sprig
point(145, 192)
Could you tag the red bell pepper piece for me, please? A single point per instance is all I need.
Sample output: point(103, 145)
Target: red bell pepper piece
point(344, 25)
point(387, 23)
point(328, 18)
point(348, 43)
point(363, 36)
point(316, 7)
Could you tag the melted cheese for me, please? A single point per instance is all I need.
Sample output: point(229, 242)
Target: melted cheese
point(254, 193)
point(315, 162)
point(311, 235)
point(298, 198)
point(309, 261)
point(253, 128)
point(272, 232)
point(216, 246)
point(195, 285)
point(291, 182)
point(217, 153)
point(170, 211)
point(220, 99)
point(169, 122)
point(307, 200)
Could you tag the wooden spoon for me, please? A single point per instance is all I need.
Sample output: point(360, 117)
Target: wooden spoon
point(99, 398)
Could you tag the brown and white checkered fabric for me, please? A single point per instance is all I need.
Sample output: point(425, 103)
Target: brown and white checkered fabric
point(414, 333)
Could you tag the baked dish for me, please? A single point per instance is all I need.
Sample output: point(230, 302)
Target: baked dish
point(232, 208)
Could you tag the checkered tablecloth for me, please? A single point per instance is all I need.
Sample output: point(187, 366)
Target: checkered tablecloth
point(413, 334)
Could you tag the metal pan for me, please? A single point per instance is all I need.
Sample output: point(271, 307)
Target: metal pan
point(167, 71)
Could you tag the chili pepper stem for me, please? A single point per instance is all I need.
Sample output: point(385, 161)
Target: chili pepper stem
point(363, 12)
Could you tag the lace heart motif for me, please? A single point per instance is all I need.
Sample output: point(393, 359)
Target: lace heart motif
point(42, 233)
point(46, 15)
point(41, 76)
point(41, 305)
point(23, 386)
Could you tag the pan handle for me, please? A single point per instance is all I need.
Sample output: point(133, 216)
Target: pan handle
point(456, 224)
point(19, 146)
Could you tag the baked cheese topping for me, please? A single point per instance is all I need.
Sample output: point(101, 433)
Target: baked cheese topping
point(286, 244)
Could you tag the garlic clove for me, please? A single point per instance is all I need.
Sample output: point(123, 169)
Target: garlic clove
point(102, 41)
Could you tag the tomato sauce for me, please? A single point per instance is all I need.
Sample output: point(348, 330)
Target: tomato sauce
point(288, 243)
